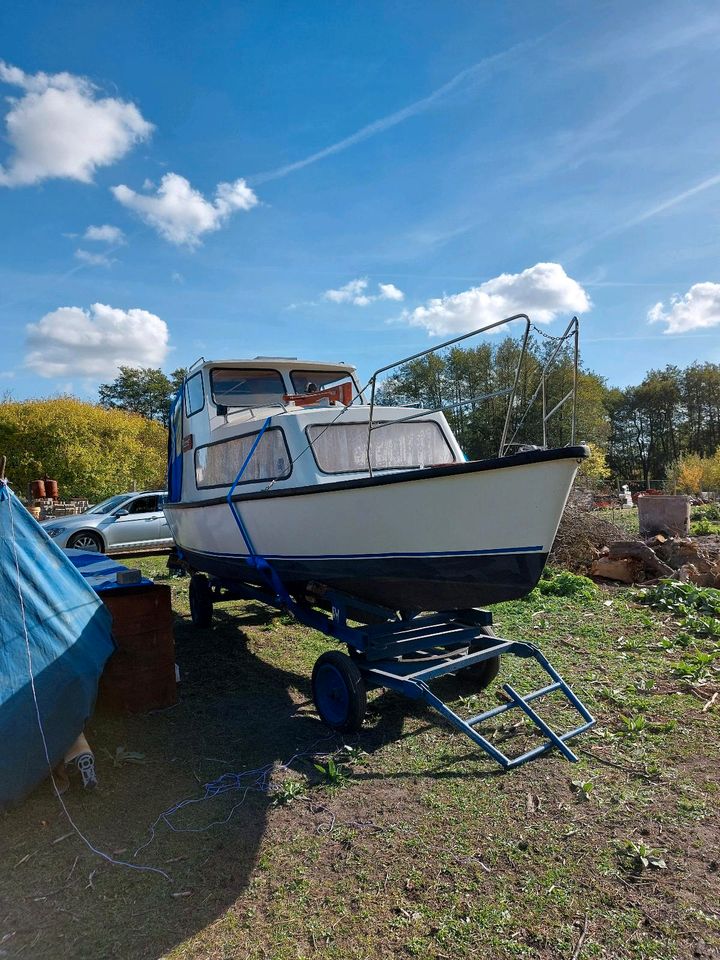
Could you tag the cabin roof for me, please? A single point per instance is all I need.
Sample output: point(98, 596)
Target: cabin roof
point(280, 363)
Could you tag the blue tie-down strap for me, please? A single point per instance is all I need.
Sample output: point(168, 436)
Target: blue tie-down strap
point(175, 453)
point(255, 559)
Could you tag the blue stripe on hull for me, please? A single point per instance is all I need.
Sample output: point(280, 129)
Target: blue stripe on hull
point(425, 582)
point(381, 556)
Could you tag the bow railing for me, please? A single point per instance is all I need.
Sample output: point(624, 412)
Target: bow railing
point(569, 334)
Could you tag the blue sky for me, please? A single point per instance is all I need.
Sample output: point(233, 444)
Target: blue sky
point(353, 180)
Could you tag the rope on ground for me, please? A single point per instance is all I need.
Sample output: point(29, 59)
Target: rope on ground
point(255, 781)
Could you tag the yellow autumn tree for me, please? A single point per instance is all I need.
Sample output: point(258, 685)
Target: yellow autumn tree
point(90, 451)
point(689, 474)
point(711, 472)
point(594, 471)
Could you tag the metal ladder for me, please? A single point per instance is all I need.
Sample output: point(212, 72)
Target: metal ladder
point(441, 640)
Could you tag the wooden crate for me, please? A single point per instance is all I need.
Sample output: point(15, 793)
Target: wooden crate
point(140, 675)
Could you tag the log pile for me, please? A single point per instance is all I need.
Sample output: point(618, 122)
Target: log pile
point(635, 561)
point(581, 536)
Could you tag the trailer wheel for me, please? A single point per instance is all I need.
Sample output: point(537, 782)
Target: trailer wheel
point(201, 605)
point(482, 674)
point(339, 693)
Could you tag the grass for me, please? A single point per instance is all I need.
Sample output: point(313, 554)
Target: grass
point(403, 841)
point(626, 519)
point(704, 528)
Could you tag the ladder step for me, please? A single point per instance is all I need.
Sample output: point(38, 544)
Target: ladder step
point(457, 664)
point(539, 722)
point(496, 711)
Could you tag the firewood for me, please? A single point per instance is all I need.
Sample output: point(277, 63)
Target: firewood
point(626, 570)
point(636, 550)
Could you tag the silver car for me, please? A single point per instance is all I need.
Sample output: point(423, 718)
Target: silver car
point(124, 523)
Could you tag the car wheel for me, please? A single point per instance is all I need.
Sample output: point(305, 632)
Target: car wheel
point(86, 540)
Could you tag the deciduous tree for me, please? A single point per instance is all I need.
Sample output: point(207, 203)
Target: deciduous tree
point(143, 390)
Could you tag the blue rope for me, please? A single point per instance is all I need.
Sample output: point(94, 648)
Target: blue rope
point(258, 780)
point(255, 559)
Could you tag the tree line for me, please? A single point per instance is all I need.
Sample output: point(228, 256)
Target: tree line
point(673, 414)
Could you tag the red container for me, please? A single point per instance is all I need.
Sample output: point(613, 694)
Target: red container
point(51, 488)
point(37, 489)
point(140, 675)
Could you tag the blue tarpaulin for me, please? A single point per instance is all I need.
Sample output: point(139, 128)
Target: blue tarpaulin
point(53, 627)
point(100, 572)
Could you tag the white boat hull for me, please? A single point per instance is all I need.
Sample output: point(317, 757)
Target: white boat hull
point(437, 539)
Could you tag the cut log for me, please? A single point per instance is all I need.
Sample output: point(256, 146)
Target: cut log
point(679, 553)
point(625, 570)
point(689, 573)
point(636, 550)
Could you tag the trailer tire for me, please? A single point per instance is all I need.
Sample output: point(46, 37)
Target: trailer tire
point(201, 604)
point(482, 674)
point(339, 693)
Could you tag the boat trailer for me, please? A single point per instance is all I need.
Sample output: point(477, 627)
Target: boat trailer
point(401, 653)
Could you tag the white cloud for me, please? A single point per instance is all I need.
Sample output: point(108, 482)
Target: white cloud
point(61, 127)
point(698, 309)
point(350, 293)
point(93, 259)
point(71, 341)
point(355, 292)
point(542, 291)
point(388, 291)
point(105, 234)
point(180, 213)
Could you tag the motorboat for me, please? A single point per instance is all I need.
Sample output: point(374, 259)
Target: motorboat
point(294, 463)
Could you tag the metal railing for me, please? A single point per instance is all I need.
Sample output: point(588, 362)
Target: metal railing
point(570, 332)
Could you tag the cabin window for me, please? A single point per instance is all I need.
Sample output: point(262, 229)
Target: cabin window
point(217, 464)
point(247, 388)
point(310, 381)
point(194, 394)
point(342, 447)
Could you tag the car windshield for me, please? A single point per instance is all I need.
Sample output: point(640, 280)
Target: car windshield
point(112, 503)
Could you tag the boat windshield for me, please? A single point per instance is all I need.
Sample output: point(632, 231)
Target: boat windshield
point(342, 448)
point(112, 503)
point(311, 381)
point(247, 388)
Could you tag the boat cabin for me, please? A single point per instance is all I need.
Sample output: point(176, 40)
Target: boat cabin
point(305, 422)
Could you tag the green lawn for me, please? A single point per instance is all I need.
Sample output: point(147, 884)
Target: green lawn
point(419, 847)
point(626, 519)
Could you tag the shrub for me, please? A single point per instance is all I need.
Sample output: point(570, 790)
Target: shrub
point(91, 452)
point(567, 584)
